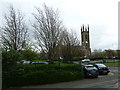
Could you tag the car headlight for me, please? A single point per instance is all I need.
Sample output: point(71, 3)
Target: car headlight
point(89, 74)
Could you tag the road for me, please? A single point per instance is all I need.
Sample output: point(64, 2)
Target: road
point(103, 81)
point(0, 71)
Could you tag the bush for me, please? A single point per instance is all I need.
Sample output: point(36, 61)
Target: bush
point(9, 66)
point(78, 58)
point(30, 54)
point(44, 67)
point(8, 77)
point(42, 74)
point(9, 59)
point(45, 77)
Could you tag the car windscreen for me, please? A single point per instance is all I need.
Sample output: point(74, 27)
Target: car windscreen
point(101, 65)
point(90, 67)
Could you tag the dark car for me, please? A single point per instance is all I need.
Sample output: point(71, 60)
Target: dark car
point(103, 69)
point(90, 71)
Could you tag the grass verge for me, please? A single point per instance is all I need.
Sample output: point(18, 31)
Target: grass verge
point(107, 63)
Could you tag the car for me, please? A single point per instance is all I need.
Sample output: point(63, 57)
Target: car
point(90, 71)
point(86, 60)
point(39, 62)
point(26, 62)
point(103, 69)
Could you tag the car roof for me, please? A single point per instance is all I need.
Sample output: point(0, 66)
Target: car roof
point(40, 62)
point(87, 65)
point(101, 65)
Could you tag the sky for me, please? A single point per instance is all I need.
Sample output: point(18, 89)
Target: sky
point(101, 15)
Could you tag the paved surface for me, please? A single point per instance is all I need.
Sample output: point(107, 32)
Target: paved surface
point(0, 71)
point(103, 81)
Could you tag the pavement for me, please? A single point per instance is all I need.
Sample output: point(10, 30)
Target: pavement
point(116, 85)
point(0, 71)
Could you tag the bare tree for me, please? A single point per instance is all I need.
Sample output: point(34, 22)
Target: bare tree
point(14, 32)
point(70, 45)
point(70, 38)
point(47, 30)
point(99, 54)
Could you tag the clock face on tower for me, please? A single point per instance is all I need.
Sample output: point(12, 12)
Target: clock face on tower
point(86, 42)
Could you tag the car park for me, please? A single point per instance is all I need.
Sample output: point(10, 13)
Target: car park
point(103, 69)
point(90, 71)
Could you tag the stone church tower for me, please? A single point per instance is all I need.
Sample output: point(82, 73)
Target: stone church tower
point(85, 41)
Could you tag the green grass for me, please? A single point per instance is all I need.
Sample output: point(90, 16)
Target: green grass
point(112, 63)
point(39, 60)
point(107, 63)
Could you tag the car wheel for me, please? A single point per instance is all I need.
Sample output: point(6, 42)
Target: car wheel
point(106, 74)
point(96, 76)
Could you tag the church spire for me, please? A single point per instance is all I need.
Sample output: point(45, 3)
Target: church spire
point(83, 27)
point(88, 27)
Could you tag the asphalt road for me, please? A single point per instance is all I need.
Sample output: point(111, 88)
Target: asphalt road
point(0, 79)
point(103, 81)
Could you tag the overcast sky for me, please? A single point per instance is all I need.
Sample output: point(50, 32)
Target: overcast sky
point(101, 15)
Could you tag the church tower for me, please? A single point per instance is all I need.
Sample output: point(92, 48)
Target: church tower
point(85, 40)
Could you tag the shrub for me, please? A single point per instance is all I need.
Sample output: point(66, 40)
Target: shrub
point(30, 54)
point(9, 59)
point(45, 77)
point(41, 74)
point(78, 58)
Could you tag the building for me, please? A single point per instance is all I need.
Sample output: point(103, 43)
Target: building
point(85, 41)
point(112, 53)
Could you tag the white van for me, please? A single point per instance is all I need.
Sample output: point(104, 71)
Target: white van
point(86, 60)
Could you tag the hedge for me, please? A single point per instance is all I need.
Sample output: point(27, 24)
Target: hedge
point(41, 77)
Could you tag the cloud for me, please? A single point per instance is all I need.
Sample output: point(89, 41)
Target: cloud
point(101, 15)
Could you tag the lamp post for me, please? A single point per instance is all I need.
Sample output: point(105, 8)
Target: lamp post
point(60, 58)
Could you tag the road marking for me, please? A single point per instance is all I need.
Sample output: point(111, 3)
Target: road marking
point(94, 84)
